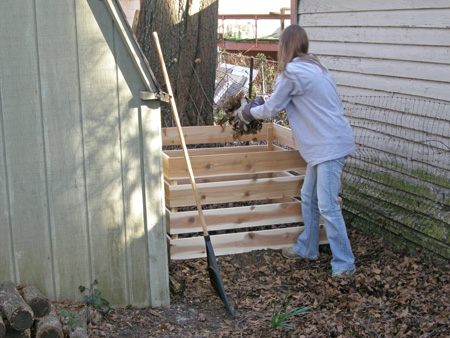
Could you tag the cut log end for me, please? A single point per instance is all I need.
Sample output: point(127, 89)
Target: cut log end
point(21, 319)
point(50, 333)
point(49, 326)
point(14, 308)
point(40, 305)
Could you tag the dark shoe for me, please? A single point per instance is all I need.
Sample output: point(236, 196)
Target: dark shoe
point(289, 253)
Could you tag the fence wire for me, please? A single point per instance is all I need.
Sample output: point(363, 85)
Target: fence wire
point(397, 182)
point(265, 71)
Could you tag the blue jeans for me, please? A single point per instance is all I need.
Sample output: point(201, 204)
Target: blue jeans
point(320, 197)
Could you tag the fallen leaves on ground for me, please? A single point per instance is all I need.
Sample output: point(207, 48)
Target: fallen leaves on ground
point(391, 295)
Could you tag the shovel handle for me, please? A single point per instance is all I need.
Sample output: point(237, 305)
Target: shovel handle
point(180, 133)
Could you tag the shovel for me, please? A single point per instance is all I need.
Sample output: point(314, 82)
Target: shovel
point(213, 269)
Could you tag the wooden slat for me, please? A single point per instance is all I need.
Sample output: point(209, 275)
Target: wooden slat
point(368, 5)
point(145, 251)
point(228, 178)
point(430, 18)
point(165, 162)
point(436, 54)
point(27, 223)
point(102, 149)
point(284, 136)
point(434, 90)
point(236, 218)
point(61, 107)
point(234, 191)
point(135, 21)
point(216, 151)
point(270, 138)
point(130, 43)
point(7, 261)
point(395, 68)
point(194, 247)
point(281, 211)
point(425, 108)
point(208, 134)
point(223, 164)
point(397, 35)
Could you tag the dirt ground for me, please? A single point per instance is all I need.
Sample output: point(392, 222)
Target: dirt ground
point(392, 294)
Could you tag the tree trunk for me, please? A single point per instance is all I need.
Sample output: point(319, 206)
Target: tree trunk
point(187, 30)
point(18, 313)
point(49, 326)
point(38, 303)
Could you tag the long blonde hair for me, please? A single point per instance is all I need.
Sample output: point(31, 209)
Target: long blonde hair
point(294, 43)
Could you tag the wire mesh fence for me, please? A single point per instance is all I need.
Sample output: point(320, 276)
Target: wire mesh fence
point(232, 77)
point(265, 70)
point(397, 182)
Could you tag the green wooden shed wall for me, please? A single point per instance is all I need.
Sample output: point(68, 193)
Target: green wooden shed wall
point(81, 194)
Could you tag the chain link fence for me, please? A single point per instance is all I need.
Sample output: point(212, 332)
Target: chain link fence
point(397, 182)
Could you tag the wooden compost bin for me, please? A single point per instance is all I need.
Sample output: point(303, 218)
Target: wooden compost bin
point(242, 187)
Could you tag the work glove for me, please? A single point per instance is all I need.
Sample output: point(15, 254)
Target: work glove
point(243, 117)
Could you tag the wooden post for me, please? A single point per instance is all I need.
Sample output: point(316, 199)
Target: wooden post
point(18, 313)
point(256, 30)
point(250, 85)
point(174, 209)
point(223, 32)
point(270, 138)
point(270, 148)
point(180, 133)
point(135, 21)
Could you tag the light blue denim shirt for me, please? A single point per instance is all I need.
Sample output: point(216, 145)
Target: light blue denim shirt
point(309, 95)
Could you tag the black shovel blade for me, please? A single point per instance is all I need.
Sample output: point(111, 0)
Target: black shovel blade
point(214, 275)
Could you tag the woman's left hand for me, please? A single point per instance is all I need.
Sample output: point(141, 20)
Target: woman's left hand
point(243, 118)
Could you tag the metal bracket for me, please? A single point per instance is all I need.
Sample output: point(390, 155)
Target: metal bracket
point(149, 96)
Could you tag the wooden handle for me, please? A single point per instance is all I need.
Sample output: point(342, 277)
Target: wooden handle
point(180, 133)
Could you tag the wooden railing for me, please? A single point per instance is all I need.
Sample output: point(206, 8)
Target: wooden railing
point(273, 16)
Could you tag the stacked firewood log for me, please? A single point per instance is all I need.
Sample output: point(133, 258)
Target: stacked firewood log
point(25, 312)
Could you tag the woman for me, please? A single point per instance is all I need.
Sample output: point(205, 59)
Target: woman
point(308, 93)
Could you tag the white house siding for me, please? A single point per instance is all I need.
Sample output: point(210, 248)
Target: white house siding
point(399, 47)
point(391, 62)
point(80, 183)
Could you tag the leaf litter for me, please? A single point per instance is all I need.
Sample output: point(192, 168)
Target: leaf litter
point(392, 294)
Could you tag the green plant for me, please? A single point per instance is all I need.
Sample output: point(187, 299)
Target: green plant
point(70, 319)
point(94, 298)
point(284, 319)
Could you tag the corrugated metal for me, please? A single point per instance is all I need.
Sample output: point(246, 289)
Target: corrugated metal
point(389, 48)
point(80, 183)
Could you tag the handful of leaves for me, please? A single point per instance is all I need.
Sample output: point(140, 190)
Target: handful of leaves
point(230, 106)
